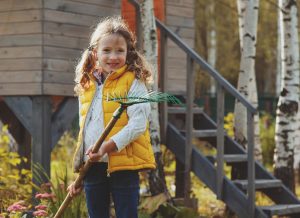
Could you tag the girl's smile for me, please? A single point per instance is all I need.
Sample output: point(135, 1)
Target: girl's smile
point(112, 52)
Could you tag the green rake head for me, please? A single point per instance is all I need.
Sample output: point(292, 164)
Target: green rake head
point(136, 98)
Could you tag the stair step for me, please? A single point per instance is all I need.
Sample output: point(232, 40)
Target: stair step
point(281, 209)
point(259, 183)
point(230, 158)
point(205, 133)
point(202, 133)
point(182, 110)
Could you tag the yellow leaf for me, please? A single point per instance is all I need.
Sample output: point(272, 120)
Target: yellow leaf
point(14, 161)
point(151, 204)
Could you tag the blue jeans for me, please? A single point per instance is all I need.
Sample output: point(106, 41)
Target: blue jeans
point(122, 185)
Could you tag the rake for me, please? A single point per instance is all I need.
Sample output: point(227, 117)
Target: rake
point(127, 101)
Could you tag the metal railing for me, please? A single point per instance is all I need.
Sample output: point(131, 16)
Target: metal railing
point(222, 85)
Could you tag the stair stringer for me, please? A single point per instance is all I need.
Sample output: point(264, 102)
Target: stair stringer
point(233, 197)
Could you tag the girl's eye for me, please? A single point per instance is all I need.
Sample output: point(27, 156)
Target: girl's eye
point(106, 50)
point(121, 50)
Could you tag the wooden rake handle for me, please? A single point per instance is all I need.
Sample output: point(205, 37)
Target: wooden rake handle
point(83, 170)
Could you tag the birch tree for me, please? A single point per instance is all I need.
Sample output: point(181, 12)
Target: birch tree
point(248, 17)
point(278, 64)
point(288, 103)
point(157, 181)
point(212, 43)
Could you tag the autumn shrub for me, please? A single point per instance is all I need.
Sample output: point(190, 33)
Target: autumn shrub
point(52, 194)
point(267, 138)
point(267, 134)
point(229, 124)
point(15, 182)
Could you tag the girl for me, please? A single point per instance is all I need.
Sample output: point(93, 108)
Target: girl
point(111, 64)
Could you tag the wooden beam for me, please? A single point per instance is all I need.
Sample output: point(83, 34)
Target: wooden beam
point(62, 118)
point(163, 81)
point(220, 140)
point(189, 128)
point(41, 132)
point(22, 108)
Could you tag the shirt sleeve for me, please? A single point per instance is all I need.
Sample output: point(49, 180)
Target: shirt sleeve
point(137, 118)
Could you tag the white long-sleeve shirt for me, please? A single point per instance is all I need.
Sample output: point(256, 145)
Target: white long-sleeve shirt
point(137, 120)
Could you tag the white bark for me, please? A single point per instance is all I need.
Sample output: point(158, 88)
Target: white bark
point(279, 43)
point(248, 17)
point(212, 44)
point(287, 108)
point(241, 7)
point(151, 54)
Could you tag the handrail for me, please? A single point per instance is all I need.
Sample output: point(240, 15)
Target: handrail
point(217, 76)
point(224, 83)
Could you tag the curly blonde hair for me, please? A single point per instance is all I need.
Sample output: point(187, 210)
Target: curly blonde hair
point(134, 60)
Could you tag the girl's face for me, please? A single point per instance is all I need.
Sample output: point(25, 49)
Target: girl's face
point(111, 52)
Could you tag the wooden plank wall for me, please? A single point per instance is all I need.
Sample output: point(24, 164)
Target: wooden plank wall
point(40, 42)
point(180, 18)
point(20, 47)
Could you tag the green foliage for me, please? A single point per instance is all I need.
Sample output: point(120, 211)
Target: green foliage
point(267, 138)
point(16, 185)
point(61, 171)
point(55, 192)
point(137, 98)
point(229, 124)
point(15, 182)
point(169, 210)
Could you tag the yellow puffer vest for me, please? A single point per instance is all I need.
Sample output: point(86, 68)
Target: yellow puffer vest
point(138, 154)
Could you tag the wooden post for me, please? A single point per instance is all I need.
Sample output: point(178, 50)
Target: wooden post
point(220, 140)
point(139, 29)
point(41, 134)
point(251, 163)
point(163, 86)
point(179, 179)
point(189, 129)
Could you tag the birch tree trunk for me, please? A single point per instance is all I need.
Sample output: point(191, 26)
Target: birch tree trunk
point(248, 17)
point(157, 181)
point(212, 44)
point(279, 43)
point(241, 7)
point(288, 103)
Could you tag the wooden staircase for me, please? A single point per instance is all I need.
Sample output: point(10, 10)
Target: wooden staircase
point(234, 191)
point(238, 195)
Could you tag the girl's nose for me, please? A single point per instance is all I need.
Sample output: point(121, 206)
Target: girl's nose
point(113, 55)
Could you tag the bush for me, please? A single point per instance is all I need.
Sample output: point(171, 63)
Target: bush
point(267, 138)
point(15, 183)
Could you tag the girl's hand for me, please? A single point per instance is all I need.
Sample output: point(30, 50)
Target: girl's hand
point(73, 191)
point(106, 147)
point(94, 157)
